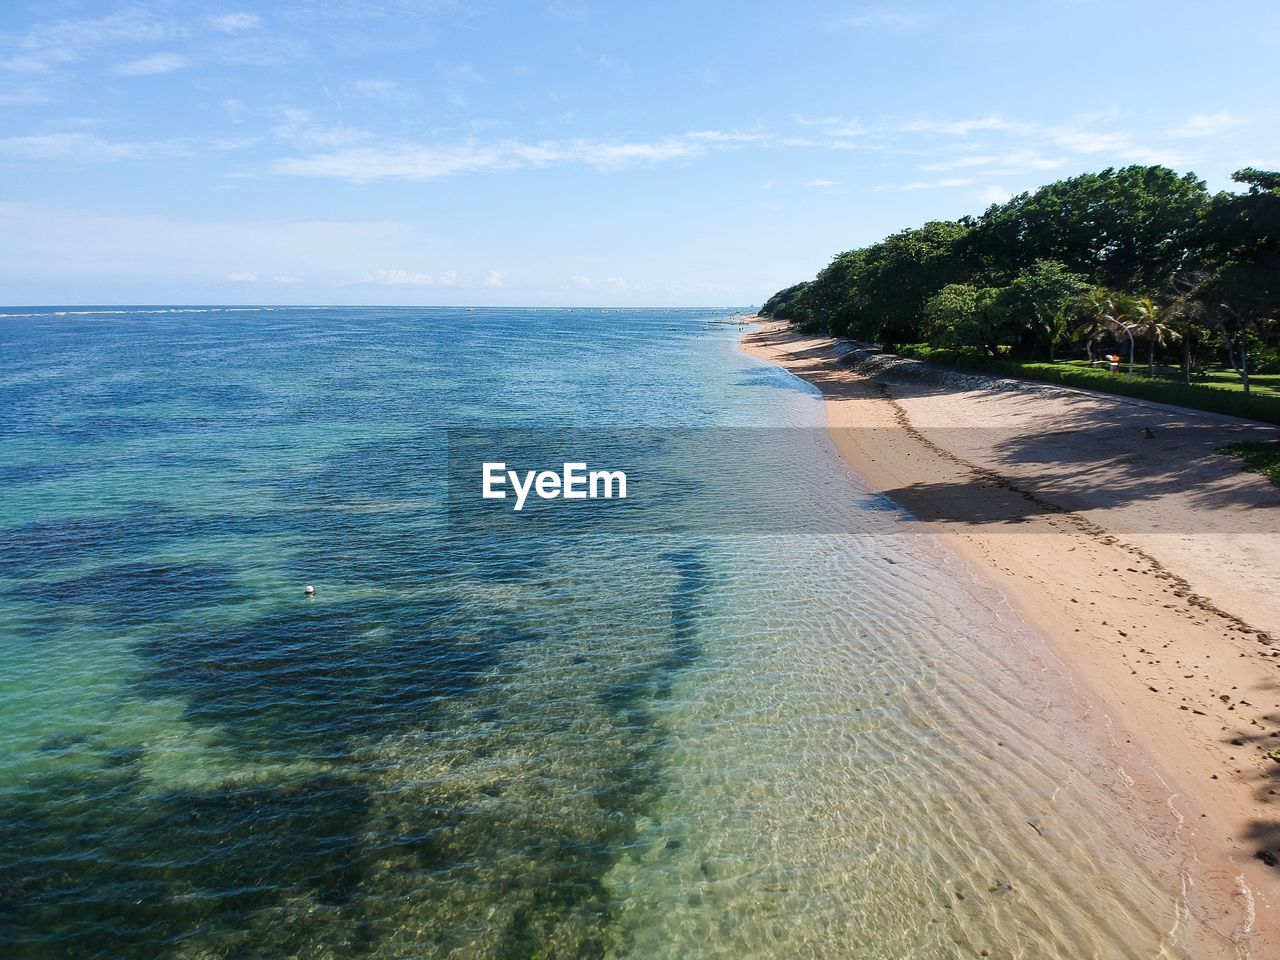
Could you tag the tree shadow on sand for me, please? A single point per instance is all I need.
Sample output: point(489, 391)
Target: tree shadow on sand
point(1259, 733)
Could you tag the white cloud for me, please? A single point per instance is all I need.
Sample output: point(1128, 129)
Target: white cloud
point(151, 66)
point(824, 184)
point(835, 126)
point(957, 128)
point(152, 251)
point(87, 148)
point(243, 276)
point(286, 280)
point(1014, 161)
point(1087, 141)
point(24, 96)
point(399, 278)
point(78, 146)
point(494, 278)
point(887, 18)
point(993, 194)
point(829, 121)
point(386, 90)
point(942, 184)
point(1205, 125)
point(448, 278)
point(59, 42)
point(235, 22)
point(27, 63)
point(567, 11)
point(410, 161)
point(301, 127)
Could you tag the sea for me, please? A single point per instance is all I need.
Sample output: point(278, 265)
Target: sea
point(751, 710)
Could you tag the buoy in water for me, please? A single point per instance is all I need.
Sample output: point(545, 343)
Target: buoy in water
point(310, 591)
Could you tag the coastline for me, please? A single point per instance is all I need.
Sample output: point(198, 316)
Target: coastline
point(1171, 631)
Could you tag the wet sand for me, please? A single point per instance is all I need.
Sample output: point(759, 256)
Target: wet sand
point(1151, 564)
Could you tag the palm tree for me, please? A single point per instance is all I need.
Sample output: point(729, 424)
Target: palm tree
point(1100, 307)
point(1150, 316)
point(1055, 324)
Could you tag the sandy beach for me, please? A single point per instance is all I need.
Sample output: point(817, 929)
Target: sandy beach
point(1151, 564)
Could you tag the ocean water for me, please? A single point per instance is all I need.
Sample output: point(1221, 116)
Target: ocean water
point(752, 711)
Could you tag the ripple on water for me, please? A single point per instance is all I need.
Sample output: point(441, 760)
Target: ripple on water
point(472, 744)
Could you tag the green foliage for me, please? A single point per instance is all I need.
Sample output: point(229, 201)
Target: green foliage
point(1087, 261)
point(1125, 228)
point(1259, 456)
point(1042, 301)
point(780, 305)
point(963, 316)
point(1242, 250)
point(897, 276)
point(948, 315)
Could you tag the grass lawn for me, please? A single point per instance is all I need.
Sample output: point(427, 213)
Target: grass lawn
point(1263, 384)
point(1219, 392)
point(1262, 457)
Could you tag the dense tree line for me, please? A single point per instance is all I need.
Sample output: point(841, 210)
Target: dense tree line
point(1084, 264)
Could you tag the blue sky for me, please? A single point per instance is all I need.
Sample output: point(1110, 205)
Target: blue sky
point(572, 152)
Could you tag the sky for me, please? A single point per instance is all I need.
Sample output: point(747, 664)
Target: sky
point(573, 152)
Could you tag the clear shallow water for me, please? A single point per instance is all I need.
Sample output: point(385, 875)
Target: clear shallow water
point(485, 742)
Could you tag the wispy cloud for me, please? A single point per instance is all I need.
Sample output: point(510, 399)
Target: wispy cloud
point(55, 45)
point(495, 278)
point(80, 146)
point(88, 148)
point(235, 22)
point(150, 66)
point(301, 128)
point(1200, 125)
point(59, 42)
point(243, 276)
point(409, 161)
point(887, 18)
point(567, 11)
point(388, 91)
point(1016, 161)
point(399, 278)
point(993, 193)
point(956, 128)
point(24, 96)
point(941, 184)
point(608, 283)
point(992, 145)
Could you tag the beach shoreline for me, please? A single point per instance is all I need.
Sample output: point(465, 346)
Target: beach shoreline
point(1160, 597)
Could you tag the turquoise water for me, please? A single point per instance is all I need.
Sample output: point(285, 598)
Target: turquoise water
point(706, 731)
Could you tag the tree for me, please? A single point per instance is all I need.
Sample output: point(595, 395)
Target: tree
point(1125, 229)
point(780, 305)
point(1150, 319)
point(948, 314)
point(1241, 256)
point(1101, 308)
point(962, 316)
point(899, 274)
point(836, 288)
point(1040, 298)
